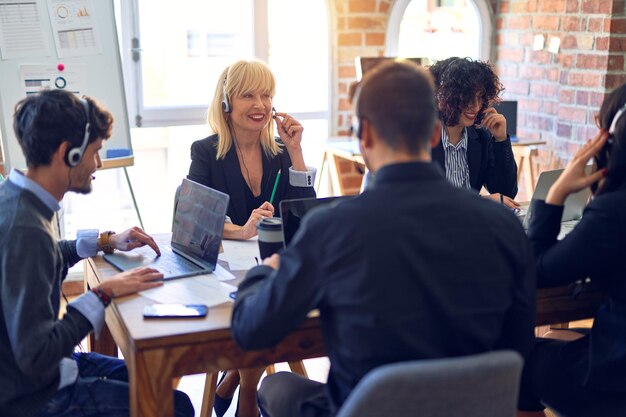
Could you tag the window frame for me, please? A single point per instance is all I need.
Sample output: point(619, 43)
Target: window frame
point(486, 23)
point(163, 116)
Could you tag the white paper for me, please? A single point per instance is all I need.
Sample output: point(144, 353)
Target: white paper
point(21, 30)
point(222, 274)
point(74, 27)
point(37, 77)
point(200, 289)
point(241, 255)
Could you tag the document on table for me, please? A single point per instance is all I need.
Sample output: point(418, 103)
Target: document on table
point(241, 255)
point(200, 289)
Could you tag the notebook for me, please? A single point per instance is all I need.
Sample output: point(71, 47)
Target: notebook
point(574, 203)
point(196, 236)
point(292, 212)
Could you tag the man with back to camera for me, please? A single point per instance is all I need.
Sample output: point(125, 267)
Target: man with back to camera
point(398, 273)
point(40, 375)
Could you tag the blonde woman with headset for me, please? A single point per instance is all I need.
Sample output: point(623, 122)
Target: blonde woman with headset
point(243, 158)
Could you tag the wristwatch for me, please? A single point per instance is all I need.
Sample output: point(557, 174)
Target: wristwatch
point(104, 242)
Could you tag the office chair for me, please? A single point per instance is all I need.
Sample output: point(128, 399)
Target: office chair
point(483, 385)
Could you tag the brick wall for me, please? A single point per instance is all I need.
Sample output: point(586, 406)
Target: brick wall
point(559, 93)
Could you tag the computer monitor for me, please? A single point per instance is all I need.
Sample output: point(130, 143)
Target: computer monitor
point(509, 110)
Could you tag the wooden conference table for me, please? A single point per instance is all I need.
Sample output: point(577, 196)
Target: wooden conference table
point(157, 351)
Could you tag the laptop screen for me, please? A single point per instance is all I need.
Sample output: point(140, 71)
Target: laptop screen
point(199, 221)
point(292, 212)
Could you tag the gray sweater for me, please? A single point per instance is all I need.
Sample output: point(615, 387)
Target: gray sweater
point(33, 264)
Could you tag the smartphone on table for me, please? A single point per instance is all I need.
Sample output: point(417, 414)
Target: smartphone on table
point(153, 311)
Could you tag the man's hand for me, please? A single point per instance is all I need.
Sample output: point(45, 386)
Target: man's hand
point(272, 261)
point(132, 281)
point(131, 239)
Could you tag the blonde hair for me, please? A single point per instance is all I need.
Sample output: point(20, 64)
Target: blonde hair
point(236, 80)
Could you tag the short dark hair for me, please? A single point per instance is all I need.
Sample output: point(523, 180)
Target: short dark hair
point(613, 155)
point(43, 121)
point(398, 100)
point(458, 80)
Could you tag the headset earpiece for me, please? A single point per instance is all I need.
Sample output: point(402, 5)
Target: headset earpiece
point(226, 107)
point(356, 127)
point(75, 155)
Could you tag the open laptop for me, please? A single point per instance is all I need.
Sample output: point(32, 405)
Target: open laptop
point(292, 212)
point(196, 236)
point(572, 208)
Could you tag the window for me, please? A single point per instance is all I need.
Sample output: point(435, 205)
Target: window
point(438, 29)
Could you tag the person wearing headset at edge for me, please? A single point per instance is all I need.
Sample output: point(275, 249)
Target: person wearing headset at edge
point(40, 374)
point(584, 373)
point(475, 149)
point(242, 158)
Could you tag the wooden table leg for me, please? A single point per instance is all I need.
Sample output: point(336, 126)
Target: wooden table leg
point(105, 345)
point(210, 385)
point(150, 386)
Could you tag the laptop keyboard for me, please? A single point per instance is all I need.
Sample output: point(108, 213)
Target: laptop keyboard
point(169, 263)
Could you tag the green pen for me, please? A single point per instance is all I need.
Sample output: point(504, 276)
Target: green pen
point(275, 187)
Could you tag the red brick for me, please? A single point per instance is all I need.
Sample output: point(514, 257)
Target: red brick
point(602, 44)
point(344, 104)
point(563, 130)
point(543, 90)
point(361, 6)
point(343, 132)
point(616, 63)
point(618, 7)
point(539, 122)
point(346, 71)
point(566, 60)
point(568, 42)
point(505, 71)
point(582, 98)
point(552, 6)
point(500, 23)
point(529, 105)
point(573, 6)
point(567, 96)
point(542, 22)
point(366, 23)
point(596, 99)
point(383, 7)
point(553, 74)
point(584, 61)
point(531, 72)
point(573, 114)
point(539, 57)
point(595, 24)
point(504, 7)
point(617, 44)
point(509, 54)
point(519, 7)
point(342, 88)
point(615, 25)
point(614, 80)
point(519, 22)
point(517, 87)
point(596, 7)
point(526, 38)
point(375, 39)
point(551, 107)
point(570, 23)
point(350, 39)
point(342, 23)
point(585, 79)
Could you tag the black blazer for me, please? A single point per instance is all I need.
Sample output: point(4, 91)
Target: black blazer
point(594, 248)
point(225, 175)
point(397, 273)
point(491, 164)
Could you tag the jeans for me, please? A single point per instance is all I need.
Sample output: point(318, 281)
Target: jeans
point(102, 390)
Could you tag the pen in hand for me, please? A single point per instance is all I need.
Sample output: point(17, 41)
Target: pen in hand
point(275, 187)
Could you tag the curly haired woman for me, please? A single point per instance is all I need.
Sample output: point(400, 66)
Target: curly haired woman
point(475, 149)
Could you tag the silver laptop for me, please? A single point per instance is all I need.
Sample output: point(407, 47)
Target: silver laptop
point(196, 236)
point(574, 203)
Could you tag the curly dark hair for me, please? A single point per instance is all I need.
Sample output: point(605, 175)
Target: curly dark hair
point(458, 81)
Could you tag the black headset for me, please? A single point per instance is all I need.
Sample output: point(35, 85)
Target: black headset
point(226, 107)
point(613, 125)
point(75, 155)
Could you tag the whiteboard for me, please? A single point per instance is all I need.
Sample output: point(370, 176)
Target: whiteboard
point(63, 44)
